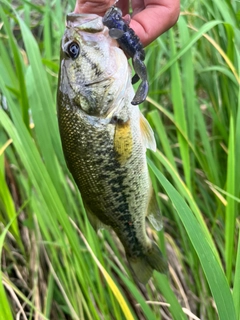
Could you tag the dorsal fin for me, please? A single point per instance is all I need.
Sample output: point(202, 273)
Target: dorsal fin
point(147, 133)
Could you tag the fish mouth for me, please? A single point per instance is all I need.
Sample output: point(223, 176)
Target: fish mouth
point(90, 83)
point(83, 82)
point(85, 21)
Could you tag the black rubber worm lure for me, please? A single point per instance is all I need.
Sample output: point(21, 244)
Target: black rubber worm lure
point(129, 42)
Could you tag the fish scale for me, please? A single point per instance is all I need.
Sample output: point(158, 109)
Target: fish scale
point(104, 139)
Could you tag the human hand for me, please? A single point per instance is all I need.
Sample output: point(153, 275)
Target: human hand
point(150, 18)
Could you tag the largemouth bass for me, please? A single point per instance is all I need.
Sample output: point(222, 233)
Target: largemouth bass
point(104, 139)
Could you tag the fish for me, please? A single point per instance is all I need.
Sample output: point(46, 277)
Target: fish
point(104, 140)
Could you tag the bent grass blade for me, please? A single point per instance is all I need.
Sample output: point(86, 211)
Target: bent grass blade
point(213, 271)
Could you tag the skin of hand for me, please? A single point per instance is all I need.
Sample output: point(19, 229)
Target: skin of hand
point(150, 18)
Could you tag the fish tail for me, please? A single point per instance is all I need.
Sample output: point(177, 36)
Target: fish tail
point(144, 265)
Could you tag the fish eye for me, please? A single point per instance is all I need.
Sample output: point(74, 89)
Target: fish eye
point(73, 50)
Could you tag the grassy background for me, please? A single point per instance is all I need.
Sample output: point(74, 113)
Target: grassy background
point(53, 265)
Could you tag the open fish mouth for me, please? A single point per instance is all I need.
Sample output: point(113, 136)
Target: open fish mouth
point(87, 22)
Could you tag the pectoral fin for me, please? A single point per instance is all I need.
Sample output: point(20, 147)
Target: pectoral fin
point(147, 133)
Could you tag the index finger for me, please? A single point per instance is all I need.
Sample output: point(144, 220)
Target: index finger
point(151, 18)
point(93, 6)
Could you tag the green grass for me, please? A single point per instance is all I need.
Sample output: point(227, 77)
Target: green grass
point(52, 263)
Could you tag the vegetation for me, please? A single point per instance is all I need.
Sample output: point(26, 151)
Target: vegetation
point(53, 265)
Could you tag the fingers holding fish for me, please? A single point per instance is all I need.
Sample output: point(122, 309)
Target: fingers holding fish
point(150, 18)
point(98, 7)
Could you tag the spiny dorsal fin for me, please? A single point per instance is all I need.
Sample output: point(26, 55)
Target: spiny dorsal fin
point(147, 133)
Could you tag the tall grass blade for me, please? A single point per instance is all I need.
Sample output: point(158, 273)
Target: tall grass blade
point(5, 310)
point(7, 204)
point(179, 112)
point(112, 285)
point(21, 295)
point(175, 308)
point(213, 271)
point(162, 135)
point(231, 204)
point(188, 80)
point(149, 314)
point(205, 28)
point(236, 284)
point(182, 189)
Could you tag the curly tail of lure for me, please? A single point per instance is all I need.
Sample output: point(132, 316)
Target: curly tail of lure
point(130, 43)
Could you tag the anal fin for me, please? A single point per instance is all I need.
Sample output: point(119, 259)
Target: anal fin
point(153, 213)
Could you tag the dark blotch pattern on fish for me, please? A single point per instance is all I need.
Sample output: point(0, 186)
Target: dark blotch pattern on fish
point(105, 192)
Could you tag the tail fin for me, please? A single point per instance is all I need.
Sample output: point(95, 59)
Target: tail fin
point(144, 265)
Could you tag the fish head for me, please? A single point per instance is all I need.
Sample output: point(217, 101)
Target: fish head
point(90, 63)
